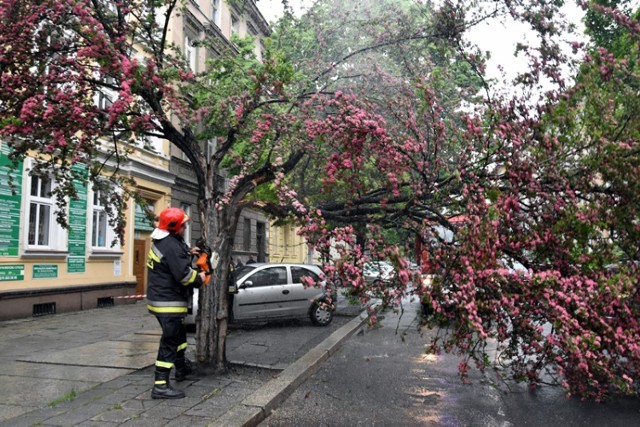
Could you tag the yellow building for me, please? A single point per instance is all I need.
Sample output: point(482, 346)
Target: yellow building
point(46, 269)
point(285, 245)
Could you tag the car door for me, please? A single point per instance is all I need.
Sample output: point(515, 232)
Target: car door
point(261, 294)
point(301, 293)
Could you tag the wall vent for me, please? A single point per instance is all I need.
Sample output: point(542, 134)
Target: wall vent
point(105, 302)
point(44, 309)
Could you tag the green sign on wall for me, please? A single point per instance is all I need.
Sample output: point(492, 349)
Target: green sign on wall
point(9, 204)
point(76, 264)
point(45, 271)
point(78, 225)
point(141, 221)
point(11, 272)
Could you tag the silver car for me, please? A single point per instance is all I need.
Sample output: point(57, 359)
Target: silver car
point(376, 272)
point(275, 291)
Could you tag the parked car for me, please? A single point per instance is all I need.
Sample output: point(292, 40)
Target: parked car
point(378, 271)
point(265, 291)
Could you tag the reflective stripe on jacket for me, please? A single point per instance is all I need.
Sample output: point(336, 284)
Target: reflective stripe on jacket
point(170, 277)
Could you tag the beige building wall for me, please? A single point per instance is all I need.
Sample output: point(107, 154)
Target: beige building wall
point(61, 270)
point(285, 245)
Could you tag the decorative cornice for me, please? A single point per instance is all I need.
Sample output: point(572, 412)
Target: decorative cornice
point(136, 169)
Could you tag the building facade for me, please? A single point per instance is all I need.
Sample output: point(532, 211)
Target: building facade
point(45, 269)
point(217, 21)
point(286, 245)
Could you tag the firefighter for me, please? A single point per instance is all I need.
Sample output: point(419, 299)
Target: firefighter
point(170, 281)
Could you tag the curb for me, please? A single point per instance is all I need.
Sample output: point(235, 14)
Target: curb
point(256, 407)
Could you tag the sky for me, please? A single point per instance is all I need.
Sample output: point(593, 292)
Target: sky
point(498, 39)
point(272, 9)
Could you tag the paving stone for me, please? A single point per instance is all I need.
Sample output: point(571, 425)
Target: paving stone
point(110, 354)
point(190, 421)
point(64, 372)
point(214, 382)
point(17, 391)
point(117, 415)
point(214, 407)
point(146, 419)
point(77, 415)
point(32, 418)
point(11, 411)
point(165, 411)
point(145, 405)
point(125, 340)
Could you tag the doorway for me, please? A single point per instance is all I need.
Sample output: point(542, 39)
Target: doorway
point(140, 265)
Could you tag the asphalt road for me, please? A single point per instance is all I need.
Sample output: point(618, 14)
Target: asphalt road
point(382, 377)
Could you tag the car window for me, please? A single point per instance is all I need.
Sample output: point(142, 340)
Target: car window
point(241, 271)
point(269, 277)
point(297, 273)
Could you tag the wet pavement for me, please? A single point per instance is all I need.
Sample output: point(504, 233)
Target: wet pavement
point(95, 367)
point(382, 376)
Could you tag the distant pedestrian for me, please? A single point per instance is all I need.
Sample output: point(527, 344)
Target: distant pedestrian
point(239, 263)
point(170, 280)
point(251, 260)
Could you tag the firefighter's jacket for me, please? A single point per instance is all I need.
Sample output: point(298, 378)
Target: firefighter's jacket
point(170, 276)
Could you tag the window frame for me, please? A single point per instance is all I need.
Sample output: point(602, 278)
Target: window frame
point(215, 12)
point(267, 272)
point(297, 269)
point(110, 234)
point(234, 25)
point(57, 237)
point(190, 53)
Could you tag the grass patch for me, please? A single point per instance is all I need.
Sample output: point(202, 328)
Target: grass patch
point(71, 395)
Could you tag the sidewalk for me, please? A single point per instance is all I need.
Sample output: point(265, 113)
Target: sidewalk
point(95, 367)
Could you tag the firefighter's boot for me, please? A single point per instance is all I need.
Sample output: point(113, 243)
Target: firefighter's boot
point(184, 368)
point(162, 388)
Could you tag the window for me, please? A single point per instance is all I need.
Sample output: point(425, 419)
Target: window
point(190, 53)
point(43, 232)
point(149, 143)
point(297, 273)
point(104, 96)
point(215, 12)
point(40, 211)
point(246, 235)
point(187, 234)
point(269, 277)
point(102, 235)
point(235, 25)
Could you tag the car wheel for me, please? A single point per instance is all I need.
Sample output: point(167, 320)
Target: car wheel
point(321, 314)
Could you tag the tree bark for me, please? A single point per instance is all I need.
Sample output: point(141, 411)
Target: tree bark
point(213, 317)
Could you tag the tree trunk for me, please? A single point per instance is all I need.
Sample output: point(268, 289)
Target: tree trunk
point(213, 317)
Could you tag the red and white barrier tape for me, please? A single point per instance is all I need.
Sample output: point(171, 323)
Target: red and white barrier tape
point(133, 296)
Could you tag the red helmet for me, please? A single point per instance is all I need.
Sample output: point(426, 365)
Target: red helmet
point(172, 219)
